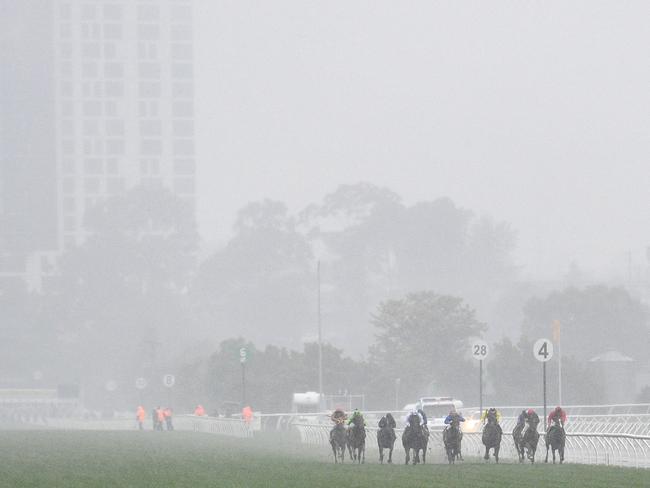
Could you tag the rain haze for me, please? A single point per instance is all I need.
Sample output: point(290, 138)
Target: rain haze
point(323, 226)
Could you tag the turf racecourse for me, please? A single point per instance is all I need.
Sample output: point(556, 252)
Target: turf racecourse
point(179, 459)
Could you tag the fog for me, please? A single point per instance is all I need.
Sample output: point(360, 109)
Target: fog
point(180, 180)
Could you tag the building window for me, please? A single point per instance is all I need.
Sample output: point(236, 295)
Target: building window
point(93, 166)
point(67, 146)
point(91, 50)
point(183, 128)
point(92, 109)
point(112, 12)
point(151, 147)
point(111, 108)
point(110, 51)
point(111, 166)
point(68, 205)
point(112, 31)
point(67, 166)
point(150, 127)
point(89, 70)
point(184, 185)
point(149, 89)
point(115, 147)
point(69, 223)
point(68, 185)
point(183, 147)
point(65, 50)
point(148, 109)
point(149, 70)
point(115, 127)
point(65, 31)
point(88, 11)
point(114, 89)
point(181, 32)
point(67, 127)
point(183, 108)
point(148, 12)
point(115, 185)
point(67, 109)
point(182, 70)
point(90, 127)
point(181, 13)
point(113, 70)
point(148, 32)
point(181, 51)
point(67, 89)
point(184, 166)
point(182, 89)
point(92, 185)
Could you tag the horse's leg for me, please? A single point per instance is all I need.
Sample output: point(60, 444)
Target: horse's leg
point(547, 445)
point(561, 449)
point(336, 460)
point(381, 454)
point(553, 450)
point(390, 455)
point(487, 453)
point(496, 452)
point(363, 453)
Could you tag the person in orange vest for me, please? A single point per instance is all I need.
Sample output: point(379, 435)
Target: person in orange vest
point(247, 414)
point(140, 415)
point(160, 416)
point(199, 411)
point(167, 413)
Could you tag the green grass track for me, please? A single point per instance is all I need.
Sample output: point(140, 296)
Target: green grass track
point(179, 459)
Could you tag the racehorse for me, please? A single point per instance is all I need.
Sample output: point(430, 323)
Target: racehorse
point(529, 443)
point(386, 437)
point(451, 437)
point(555, 438)
point(492, 436)
point(338, 441)
point(415, 437)
point(518, 437)
point(357, 440)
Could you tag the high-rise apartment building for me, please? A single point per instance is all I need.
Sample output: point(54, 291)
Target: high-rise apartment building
point(124, 101)
point(108, 104)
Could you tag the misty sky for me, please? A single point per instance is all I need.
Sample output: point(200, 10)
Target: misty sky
point(537, 113)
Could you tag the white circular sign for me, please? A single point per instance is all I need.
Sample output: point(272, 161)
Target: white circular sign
point(111, 385)
point(543, 350)
point(169, 380)
point(140, 383)
point(480, 349)
point(243, 354)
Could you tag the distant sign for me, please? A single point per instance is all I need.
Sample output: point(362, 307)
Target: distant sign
point(543, 350)
point(480, 349)
point(140, 383)
point(243, 355)
point(111, 385)
point(169, 380)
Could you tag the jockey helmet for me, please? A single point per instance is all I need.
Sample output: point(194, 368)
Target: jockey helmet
point(530, 411)
point(558, 408)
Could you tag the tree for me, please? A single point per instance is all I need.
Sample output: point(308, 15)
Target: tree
point(424, 340)
point(262, 284)
point(593, 320)
point(118, 299)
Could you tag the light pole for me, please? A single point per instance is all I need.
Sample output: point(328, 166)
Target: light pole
point(320, 346)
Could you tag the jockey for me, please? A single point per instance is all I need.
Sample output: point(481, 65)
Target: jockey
point(453, 415)
point(523, 416)
point(356, 414)
point(492, 411)
point(557, 414)
point(387, 420)
point(532, 418)
point(338, 416)
point(413, 413)
point(423, 416)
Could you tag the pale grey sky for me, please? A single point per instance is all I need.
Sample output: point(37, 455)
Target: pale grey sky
point(537, 113)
